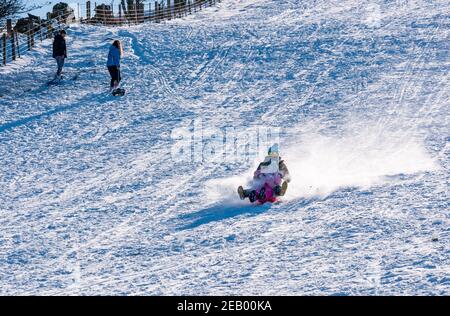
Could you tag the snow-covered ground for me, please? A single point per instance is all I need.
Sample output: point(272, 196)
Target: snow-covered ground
point(93, 200)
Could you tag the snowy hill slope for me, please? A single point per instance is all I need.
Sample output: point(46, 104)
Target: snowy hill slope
point(92, 201)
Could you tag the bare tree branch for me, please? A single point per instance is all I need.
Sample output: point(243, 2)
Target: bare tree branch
point(12, 8)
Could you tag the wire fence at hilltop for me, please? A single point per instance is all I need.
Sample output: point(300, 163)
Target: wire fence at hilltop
point(16, 41)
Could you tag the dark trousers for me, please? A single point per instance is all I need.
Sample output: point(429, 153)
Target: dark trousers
point(60, 62)
point(115, 75)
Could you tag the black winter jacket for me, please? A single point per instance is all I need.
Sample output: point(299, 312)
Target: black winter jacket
point(59, 46)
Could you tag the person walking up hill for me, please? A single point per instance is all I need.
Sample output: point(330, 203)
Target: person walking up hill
point(114, 56)
point(60, 52)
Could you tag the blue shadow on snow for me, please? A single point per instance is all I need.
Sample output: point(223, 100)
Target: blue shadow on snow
point(219, 212)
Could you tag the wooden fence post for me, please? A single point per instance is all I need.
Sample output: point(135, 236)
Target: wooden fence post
point(17, 44)
point(13, 45)
point(158, 12)
point(29, 38)
point(163, 10)
point(168, 13)
point(141, 12)
point(11, 34)
point(4, 48)
point(88, 10)
point(40, 30)
point(9, 26)
point(136, 14)
point(150, 11)
point(112, 11)
point(31, 31)
point(120, 14)
point(49, 25)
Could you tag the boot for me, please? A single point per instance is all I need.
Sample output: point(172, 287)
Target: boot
point(283, 189)
point(241, 193)
point(262, 194)
point(252, 196)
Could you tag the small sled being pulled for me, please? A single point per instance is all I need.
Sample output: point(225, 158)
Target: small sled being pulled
point(118, 92)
